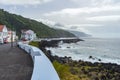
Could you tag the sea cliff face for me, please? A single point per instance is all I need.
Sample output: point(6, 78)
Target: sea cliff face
point(81, 70)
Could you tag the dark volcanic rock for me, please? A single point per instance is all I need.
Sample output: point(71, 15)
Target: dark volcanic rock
point(54, 43)
point(95, 71)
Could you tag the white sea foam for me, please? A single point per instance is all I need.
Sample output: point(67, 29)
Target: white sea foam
point(106, 50)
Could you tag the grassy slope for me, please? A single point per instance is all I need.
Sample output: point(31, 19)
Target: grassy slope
point(17, 22)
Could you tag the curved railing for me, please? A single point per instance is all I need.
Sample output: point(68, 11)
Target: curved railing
point(43, 68)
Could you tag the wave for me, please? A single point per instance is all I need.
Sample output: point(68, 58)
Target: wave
point(100, 50)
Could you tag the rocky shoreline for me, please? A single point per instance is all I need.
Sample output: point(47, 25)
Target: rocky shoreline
point(83, 69)
point(97, 71)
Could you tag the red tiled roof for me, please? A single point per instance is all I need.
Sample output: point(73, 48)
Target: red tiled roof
point(1, 27)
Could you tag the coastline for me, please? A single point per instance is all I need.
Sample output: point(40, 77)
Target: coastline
point(89, 70)
point(91, 50)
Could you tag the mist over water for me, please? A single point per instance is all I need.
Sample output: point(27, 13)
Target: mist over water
point(101, 50)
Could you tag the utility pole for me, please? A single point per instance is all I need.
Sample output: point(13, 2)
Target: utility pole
point(11, 38)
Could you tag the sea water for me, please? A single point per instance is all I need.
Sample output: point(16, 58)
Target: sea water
point(100, 50)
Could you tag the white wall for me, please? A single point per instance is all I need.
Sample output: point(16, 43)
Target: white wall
point(43, 68)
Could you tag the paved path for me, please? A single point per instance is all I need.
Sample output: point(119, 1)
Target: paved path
point(15, 64)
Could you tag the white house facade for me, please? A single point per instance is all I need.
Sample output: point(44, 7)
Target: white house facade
point(11, 36)
point(6, 35)
point(3, 33)
point(28, 35)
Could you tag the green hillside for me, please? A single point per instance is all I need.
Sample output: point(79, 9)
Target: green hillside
point(17, 23)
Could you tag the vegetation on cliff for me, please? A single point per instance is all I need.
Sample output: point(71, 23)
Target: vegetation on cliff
point(81, 70)
point(17, 23)
point(64, 71)
point(33, 43)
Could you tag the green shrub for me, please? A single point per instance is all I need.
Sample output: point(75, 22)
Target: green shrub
point(64, 72)
point(34, 43)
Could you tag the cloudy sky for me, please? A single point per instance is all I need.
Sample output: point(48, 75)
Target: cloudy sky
point(101, 18)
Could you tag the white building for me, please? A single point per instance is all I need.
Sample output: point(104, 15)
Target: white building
point(11, 36)
point(3, 33)
point(28, 35)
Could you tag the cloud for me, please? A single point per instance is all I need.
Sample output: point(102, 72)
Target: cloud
point(93, 19)
point(23, 2)
point(86, 25)
point(85, 15)
point(102, 2)
point(105, 18)
point(91, 16)
point(77, 28)
point(87, 10)
point(81, 28)
point(13, 9)
point(94, 2)
point(47, 22)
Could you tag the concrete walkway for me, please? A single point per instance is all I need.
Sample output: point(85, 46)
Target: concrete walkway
point(15, 64)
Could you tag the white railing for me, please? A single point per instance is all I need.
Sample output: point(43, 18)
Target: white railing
point(43, 68)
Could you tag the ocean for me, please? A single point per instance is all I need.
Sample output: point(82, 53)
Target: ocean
point(92, 50)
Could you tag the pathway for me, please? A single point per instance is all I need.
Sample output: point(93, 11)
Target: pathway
point(15, 64)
